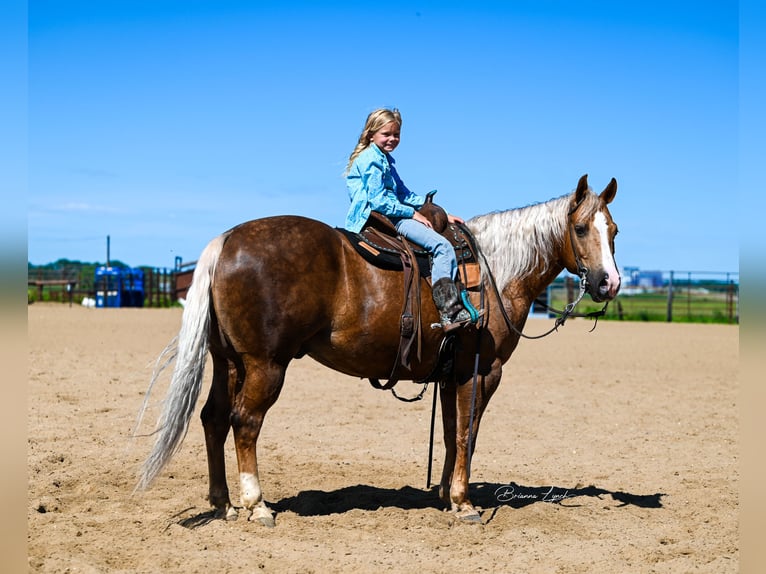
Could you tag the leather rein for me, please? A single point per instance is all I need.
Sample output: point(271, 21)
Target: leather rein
point(569, 309)
point(560, 320)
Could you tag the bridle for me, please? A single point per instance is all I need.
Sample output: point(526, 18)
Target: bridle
point(582, 270)
point(568, 311)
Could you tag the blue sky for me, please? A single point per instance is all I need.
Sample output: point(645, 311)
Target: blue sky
point(162, 124)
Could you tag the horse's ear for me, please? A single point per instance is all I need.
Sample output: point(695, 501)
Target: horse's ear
point(609, 192)
point(582, 187)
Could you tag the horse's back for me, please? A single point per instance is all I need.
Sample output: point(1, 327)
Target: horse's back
point(285, 245)
point(280, 231)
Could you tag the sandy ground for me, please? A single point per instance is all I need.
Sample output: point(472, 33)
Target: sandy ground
point(611, 451)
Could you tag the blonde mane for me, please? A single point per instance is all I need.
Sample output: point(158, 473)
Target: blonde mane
point(518, 241)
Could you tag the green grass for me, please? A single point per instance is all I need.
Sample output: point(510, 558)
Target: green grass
point(686, 307)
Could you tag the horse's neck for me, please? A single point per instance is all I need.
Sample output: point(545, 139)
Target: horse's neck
point(527, 289)
point(523, 248)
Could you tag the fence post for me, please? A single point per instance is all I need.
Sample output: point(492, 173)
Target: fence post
point(689, 295)
point(165, 302)
point(151, 286)
point(669, 317)
point(569, 282)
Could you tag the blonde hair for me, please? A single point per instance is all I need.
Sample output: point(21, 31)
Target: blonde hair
point(375, 121)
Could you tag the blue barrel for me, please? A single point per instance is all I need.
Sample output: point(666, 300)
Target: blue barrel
point(116, 287)
point(108, 282)
point(132, 288)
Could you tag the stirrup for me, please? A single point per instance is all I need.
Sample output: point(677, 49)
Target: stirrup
point(453, 325)
point(468, 306)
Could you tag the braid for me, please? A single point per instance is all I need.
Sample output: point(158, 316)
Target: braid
point(375, 121)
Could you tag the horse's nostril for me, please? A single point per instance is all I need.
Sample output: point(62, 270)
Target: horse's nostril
point(603, 286)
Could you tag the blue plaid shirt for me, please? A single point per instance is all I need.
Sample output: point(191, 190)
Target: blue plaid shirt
point(374, 185)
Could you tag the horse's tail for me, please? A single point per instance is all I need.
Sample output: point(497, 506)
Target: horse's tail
point(189, 351)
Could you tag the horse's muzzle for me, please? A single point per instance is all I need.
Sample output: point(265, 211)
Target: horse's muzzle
point(604, 287)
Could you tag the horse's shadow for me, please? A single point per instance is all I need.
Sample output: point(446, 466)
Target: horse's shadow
point(485, 495)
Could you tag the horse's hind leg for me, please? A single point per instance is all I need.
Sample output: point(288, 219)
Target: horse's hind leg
point(262, 384)
point(215, 421)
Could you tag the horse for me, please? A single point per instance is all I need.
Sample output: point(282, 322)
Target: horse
point(278, 288)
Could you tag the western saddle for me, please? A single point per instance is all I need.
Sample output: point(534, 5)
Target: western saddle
point(380, 244)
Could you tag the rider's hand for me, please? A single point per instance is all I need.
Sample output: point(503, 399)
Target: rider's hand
point(422, 219)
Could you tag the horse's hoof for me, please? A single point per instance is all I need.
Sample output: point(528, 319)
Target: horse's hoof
point(264, 516)
point(470, 516)
point(267, 521)
point(226, 513)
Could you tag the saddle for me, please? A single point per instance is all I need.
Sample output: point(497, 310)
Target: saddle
point(380, 244)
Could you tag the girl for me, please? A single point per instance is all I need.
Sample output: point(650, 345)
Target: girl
point(374, 185)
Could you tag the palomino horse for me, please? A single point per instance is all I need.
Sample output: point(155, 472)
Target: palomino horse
point(274, 289)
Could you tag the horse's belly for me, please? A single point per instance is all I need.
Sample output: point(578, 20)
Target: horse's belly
point(374, 355)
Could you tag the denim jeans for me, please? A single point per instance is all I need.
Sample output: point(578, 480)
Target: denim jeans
point(444, 260)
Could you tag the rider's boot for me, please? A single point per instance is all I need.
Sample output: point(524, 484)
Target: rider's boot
point(452, 313)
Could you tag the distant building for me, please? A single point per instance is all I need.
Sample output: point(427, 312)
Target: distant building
point(650, 279)
point(629, 276)
point(634, 280)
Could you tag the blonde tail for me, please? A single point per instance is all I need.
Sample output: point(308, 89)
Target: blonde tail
point(189, 351)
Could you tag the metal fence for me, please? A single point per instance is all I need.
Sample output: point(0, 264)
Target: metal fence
point(677, 296)
point(73, 285)
point(671, 296)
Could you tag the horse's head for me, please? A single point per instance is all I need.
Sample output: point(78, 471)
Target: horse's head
point(590, 240)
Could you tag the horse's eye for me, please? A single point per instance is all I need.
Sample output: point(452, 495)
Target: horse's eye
point(580, 230)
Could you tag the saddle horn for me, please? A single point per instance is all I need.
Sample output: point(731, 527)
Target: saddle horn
point(434, 213)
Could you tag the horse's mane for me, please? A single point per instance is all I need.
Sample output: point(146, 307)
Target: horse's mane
point(518, 241)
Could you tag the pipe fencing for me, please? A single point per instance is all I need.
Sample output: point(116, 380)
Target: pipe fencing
point(670, 296)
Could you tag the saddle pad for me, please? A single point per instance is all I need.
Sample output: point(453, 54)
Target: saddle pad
point(385, 257)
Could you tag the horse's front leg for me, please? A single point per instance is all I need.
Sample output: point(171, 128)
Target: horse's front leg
point(262, 384)
point(215, 421)
point(466, 402)
point(448, 400)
